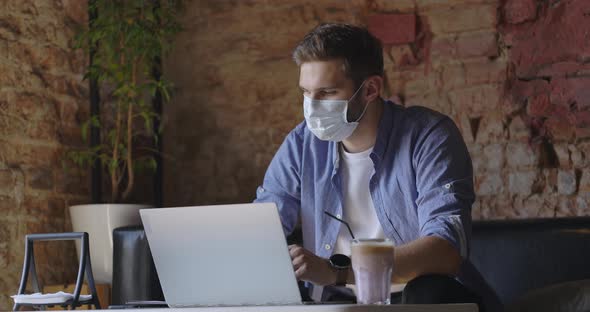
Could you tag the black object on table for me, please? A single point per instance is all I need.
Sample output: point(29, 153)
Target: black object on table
point(134, 274)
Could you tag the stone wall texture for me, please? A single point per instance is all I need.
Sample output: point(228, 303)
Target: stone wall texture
point(42, 101)
point(513, 75)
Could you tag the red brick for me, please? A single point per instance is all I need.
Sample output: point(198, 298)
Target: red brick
point(521, 155)
point(566, 91)
point(31, 154)
point(519, 11)
point(59, 84)
point(465, 126)
point(582, 119)
point(44, 224)
point(521, 91)
point(27, 105)
point(582, 133)
point(560, 129)
point(7, 178)
point(433, 100)
point(489, 184)
point(39, 178)
point(426, 5)
point(41, 205)
point(558, 36)
point(535, 206)
point(518, 130)
point(42, 130)
point(72, 181)
point(453, 76)
point(539, 105)
point(564, 69)
point(460, 18)
point(51, 57)
point(477, 101)
point(491, 128)
point(398, 6)
point(393, 28)
point(78, 61)
point(477, 44)
point(8, 205)
point(7, 236)
point(566, 208)
point(485, 72)
point(67, 111)
point(403, 56)
point(76, 10)
point(443, 47)
point(20, 78)
point(47, 57)
point(584, 187)
point(11, 28)
point(563, 155)
point(421, 85)
point(70, 135)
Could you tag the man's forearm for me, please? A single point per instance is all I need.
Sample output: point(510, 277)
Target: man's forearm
point(426, 255)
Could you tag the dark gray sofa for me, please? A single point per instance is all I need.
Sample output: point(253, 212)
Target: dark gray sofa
point(515, 257)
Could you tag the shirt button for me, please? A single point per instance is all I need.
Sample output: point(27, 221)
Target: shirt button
point(338, 216)
point(328, 246)
point(261, 190)
point(448, 185)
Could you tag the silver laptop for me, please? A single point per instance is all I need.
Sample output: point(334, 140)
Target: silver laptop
point(225, 255)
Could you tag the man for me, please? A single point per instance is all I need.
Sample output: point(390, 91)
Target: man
point(389, 171)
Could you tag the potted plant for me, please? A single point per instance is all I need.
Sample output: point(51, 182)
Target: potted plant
point(125, 39)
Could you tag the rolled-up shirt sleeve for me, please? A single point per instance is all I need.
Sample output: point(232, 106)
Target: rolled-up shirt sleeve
point(444, 180)
point(281, 183)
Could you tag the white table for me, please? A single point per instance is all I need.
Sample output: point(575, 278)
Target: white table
point(465, 307)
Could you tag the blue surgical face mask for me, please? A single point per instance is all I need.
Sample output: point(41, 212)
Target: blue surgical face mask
point(327, 118)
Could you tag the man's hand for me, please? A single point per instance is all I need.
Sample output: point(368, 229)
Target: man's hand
point(311, 268)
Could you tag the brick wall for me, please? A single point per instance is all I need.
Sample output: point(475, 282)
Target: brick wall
point(512, 74)
point(514, 86)
point(42, 100)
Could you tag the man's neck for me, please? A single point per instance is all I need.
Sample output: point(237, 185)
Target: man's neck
point(365, 134)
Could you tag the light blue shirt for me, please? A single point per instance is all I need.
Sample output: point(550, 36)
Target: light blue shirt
point(422, 185)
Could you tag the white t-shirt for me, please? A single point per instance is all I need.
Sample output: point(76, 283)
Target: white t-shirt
point(358, 209)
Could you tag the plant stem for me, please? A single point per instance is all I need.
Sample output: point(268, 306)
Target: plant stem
point(130, 173)
point(115, 176)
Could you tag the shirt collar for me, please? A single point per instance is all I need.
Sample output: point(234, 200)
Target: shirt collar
point(383, 135)
point(384, 130)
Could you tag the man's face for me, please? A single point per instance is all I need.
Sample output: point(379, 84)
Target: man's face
point(327, 80)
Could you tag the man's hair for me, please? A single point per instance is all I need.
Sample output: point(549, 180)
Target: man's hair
point(360, 50)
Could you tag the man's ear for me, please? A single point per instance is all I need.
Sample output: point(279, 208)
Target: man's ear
point(373, 88)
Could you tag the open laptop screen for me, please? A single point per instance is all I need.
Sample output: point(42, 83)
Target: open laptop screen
point(221, 255)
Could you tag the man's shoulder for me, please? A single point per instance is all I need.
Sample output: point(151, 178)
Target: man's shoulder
point(299, 134)
point(299, 130)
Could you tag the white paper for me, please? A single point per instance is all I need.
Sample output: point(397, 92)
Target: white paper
point(55, 298)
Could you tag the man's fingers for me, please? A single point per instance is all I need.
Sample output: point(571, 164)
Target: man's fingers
point(298, 261)
point(295, 251)
point(301, 271)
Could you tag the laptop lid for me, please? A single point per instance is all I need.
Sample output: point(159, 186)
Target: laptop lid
point(221, 255)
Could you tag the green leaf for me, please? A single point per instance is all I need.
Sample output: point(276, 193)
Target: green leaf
point(84, 130)
point(147, 32)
